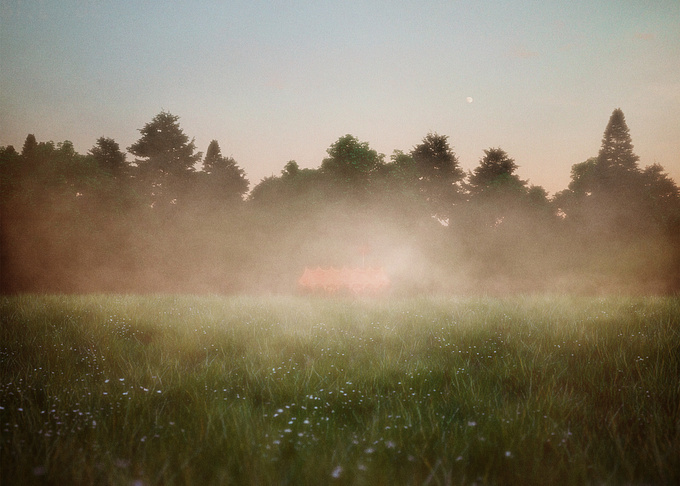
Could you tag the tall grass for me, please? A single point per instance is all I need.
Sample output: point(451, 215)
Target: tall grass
point(274, 390)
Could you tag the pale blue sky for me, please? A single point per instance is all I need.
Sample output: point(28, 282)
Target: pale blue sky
point(274, 81)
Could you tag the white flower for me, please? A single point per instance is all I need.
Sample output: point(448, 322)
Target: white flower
point(337, 472)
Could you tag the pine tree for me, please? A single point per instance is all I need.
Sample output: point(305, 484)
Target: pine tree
point(212, 157)
point(223, 180)
point(30, 146)
point(496, 170)
point(165, 159)
point(617, 164)
point(109, 157)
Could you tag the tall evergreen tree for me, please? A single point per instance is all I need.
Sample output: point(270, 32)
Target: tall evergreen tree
point(30, 145)
point(109, 157)
point(617, 165)
point(212, 157)
point(617, 146)
point(222, 179)
point(165, 159)
point(496, 172)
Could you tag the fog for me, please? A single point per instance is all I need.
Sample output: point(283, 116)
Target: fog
point(94, 223)
point(84, 246)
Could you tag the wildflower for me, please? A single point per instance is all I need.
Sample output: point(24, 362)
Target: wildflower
point(337, 472)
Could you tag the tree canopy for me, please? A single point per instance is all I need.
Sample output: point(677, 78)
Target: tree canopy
point(165, 158)
point(351, 162)
point(438, 172)
point(222, 180)
point(167, 223)
point(495, 172)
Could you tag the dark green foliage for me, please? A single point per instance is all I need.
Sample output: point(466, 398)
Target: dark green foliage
point(625, 219)
point(80, 223)
point(438, 172)
point(350, 164)
point(616, 159)
point(109, 157)
point(222, 182)
point(165, 160)
point(30, 146)
point(495, 173)
point(435, 160)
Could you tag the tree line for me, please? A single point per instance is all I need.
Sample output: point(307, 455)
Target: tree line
point(175, 220)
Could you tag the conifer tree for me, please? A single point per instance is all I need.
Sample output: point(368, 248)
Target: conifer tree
point(617, 164)
point(109, 157)
point(223, 180)
point(165, 159)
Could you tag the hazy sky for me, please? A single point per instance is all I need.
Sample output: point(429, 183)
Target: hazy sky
point(279, 80)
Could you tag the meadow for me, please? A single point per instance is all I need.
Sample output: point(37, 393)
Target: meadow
point(149, 390)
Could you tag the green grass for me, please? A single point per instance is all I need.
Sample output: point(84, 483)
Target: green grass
point(274, 390)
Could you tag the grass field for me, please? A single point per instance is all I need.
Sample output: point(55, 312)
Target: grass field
point(292, 390)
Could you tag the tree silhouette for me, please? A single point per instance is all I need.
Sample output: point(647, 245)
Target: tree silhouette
point(608, 192)
point(616, 174)
point(165, 159)
point(350, 163)
point(30, 145)
point(616, 160)
point(495, 172)
point(435, 160)
point(222, 180)
point(438, 172)
point(109, 157)
point(66, 219)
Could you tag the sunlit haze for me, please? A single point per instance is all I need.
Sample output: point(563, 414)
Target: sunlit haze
point(275, 81)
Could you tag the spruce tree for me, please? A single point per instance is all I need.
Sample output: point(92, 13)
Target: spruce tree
point(165, 159)
point(109, 157)
point(223, 180)
point(617, 164)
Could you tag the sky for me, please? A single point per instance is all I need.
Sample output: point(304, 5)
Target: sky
point(274, 81)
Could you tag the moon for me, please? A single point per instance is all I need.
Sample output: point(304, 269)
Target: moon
point(469, 99)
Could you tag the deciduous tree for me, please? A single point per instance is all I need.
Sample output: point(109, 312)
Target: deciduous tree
point(438, 172)
point(351, 162)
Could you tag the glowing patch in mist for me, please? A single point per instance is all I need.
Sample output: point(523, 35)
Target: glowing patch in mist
point(469, 99)
point(356, 280)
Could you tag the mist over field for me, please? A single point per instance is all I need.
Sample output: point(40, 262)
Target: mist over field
point(175, 221)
